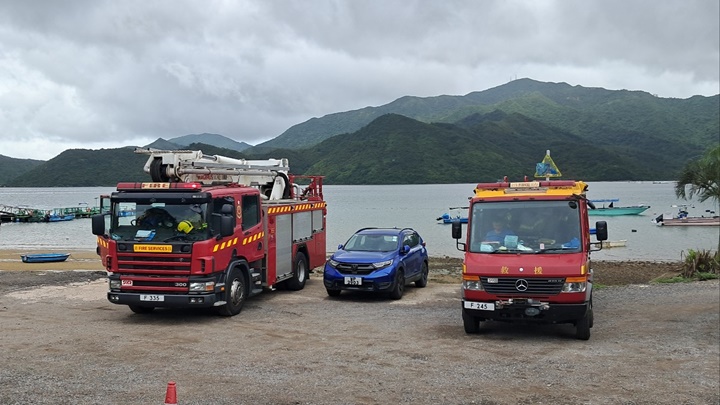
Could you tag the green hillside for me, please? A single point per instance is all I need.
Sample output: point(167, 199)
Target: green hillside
point(11, 168)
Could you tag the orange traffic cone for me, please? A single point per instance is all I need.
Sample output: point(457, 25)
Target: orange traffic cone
point(171, 394)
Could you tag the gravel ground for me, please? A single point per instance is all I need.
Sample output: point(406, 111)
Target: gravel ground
point(65, 344)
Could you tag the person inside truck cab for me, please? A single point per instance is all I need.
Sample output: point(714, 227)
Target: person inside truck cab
point(191, 219)
point(499, 232)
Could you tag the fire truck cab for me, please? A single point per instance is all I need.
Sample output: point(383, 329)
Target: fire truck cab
point(527, 254)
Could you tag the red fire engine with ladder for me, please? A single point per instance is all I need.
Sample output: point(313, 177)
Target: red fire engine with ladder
point(209, 231)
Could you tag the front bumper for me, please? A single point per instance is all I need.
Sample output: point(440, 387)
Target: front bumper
point(380, 280)
point(169, 301)
point(518, 311)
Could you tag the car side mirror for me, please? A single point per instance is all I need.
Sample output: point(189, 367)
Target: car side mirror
point(340, 246)
point(405, 249)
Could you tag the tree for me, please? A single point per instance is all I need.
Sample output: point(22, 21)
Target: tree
point(703, 177)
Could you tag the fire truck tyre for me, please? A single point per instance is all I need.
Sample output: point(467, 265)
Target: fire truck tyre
point(582, 327)
point(300, 274)
point(399, 288)
point(590, 313)
point(157, 171)
point(422, 281)
point(333, 293)
point(470, 323)
point(235, 293)
point(141, 310)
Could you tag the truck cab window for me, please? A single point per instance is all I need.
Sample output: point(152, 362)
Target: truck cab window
point(250, 211)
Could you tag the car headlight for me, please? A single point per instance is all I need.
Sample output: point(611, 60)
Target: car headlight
point(114, 284)
point(380, 265)
point(333, 263)
point(574, 287)
point(202, 286)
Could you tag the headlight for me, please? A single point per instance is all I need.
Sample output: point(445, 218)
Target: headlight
point(333, 263)
point(472, 285)
point(114, 284)
point(380, 265)
point(574, 287)
point(202, 287)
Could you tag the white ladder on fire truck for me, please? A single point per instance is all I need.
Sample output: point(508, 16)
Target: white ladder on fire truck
point(185, 166)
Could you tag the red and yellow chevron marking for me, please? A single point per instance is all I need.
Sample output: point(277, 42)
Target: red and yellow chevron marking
point(102, 242)
point(296, 208)
point(227, 244)
point(253, 238)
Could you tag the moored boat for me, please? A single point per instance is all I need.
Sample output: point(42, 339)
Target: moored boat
point(454, 215)
point(683, 218)
point(45, 257)
point(612, 210)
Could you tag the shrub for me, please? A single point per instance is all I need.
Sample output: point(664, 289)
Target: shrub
point(700, 264)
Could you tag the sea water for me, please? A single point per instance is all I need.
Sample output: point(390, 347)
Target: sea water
point(417, 206)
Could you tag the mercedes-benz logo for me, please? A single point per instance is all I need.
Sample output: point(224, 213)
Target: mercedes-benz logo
point(521, 285)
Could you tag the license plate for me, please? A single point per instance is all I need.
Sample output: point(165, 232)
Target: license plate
point(353, 280)
point(483, 306)
point(153, 298)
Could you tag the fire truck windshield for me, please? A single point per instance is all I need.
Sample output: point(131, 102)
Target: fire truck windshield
point(159, 222)
point(525, 227)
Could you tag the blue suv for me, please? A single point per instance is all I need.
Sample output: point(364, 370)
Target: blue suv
point(378, 259)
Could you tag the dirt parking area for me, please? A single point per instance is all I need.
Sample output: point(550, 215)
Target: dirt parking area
point(64, 343)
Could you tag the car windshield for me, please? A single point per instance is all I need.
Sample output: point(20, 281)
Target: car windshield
point(158, 222)
point(533, 227)
point(371, 243)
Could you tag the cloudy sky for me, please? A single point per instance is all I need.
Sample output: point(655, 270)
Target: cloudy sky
point(103, 74)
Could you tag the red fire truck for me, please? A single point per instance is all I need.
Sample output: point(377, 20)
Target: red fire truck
point(527, 254)
point(209, 231)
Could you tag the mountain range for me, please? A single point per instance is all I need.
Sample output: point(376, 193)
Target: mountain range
point(594, 134)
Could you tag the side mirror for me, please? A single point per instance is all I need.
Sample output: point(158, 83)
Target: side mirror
point(226, 225)
point(405, 249)
point(340, 246)
point(456, 229)
point(98, 224)
point(601, 231)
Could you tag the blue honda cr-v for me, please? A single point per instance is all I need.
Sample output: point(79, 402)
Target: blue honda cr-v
point(378, 259)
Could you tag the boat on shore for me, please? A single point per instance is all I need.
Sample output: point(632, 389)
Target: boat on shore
point(45, 257)
point(612, 210)
point(614, 243)
point(683, 218)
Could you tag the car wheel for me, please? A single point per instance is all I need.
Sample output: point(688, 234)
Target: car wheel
point(333, 293)
point(422, 281)
point(470, 323)
point(141, 310)
point(235, 293)
point(399, 287)
point(297, 282)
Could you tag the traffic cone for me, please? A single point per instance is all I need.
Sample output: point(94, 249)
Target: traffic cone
point(171, 394)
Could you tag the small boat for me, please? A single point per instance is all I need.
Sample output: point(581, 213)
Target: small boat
point(454, 214)
point(45, 257)
point(683, 218)
point(612, 210)
point(59, 217)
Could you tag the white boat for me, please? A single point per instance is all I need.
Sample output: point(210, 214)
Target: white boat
point(682, 218)
point(614, 243)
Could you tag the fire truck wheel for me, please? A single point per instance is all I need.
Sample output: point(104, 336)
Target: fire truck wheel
point(422, 281)
point(590, 315)
point(399, 287)
point(300, 274)
point(582, 326)
point(235, 293)
point(141, 310)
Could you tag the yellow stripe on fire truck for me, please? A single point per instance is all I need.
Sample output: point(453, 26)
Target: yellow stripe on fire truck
point(102, 242)
point(296, 208)
point(253, 238)
point(221, 246)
